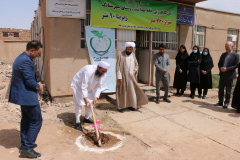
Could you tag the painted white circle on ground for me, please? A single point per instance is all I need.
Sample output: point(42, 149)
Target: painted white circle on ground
point(84, 147)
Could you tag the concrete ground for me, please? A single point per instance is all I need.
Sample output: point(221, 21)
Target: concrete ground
point(186, 128)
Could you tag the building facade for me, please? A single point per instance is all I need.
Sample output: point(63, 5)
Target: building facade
point(13, 42)
point(65, 51)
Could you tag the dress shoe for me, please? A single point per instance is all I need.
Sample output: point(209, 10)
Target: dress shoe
point(199, 96)
point(121, 110)
point(204, 97)
point(132, 109)
point(89, 120)
point(192, 96)
point(158, 100)
point(78, 127)
point(29, 153)
point(238, 111)
point(166, 100)
point(180, 95)
point(177, 93)
point(218, 104)
point(225, 105)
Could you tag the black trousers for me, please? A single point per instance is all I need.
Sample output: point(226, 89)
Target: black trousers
point(193, 87)
point(205, 91)
point(225, 83)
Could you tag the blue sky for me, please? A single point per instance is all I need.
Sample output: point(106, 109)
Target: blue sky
point(224, 5)
point(20, 13)
point(17, 13)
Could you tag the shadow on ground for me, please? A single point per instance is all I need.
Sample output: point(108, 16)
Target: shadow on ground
point(10, 138)
point(214, 108)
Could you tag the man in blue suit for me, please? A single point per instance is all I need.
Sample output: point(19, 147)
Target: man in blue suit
point(23, 91)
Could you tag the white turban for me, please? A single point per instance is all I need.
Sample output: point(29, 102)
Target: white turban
point(104, 64)
point(129, 44)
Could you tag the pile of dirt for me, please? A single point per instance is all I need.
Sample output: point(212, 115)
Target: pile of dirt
point(106, 139)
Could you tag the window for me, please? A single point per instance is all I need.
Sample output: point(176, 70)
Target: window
point(85, 22)
point(16, 34)
point(232, 36)
point(5, 34)
point(201, 37)
point(10, 34)
point(170, 39)
point(143, 42)
point(125, 35)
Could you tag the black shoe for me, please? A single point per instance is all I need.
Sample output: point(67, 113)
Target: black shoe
point(132, 109)
point(199, 96)
point(78, 127)
point(177, 93)
point(238, 111)
point(166, 100)
point(158, 100)
point(121, 110)
point(218, 104)
point(225, 105)
point(29, 153)
point(204, 97)
point(89, 120)
point(180, 95)
point(191, 96)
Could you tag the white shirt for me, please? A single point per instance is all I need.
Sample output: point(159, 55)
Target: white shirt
point(86, 82)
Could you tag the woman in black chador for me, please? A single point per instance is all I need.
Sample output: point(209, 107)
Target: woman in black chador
point(180, 77)
point(236, 93)
point(205, 74)
point(194, 70)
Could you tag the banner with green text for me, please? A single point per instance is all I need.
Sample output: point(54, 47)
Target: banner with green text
point(134, 14)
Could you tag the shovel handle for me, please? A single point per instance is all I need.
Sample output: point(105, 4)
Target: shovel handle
point(96, 130)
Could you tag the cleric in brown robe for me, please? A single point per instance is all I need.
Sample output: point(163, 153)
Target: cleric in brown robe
point(128, 94)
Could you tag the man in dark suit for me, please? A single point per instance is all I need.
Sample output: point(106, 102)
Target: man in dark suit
point(162, 64)
point(23, 91)
point(227, 65)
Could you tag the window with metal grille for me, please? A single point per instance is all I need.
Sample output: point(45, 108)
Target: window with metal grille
point(5, 34)
point(85, 22)
point(143, 43)
point(125, 35)
point(233, 36)
point(10, 34)
point(201, 37)
point(170, 39)
point(16, 34)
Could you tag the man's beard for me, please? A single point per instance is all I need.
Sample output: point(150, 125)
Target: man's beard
point(128, 53)
point(98, 74)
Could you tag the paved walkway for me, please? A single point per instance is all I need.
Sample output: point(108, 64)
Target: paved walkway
point(186, 128)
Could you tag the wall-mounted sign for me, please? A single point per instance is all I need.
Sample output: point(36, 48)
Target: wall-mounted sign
point(101, 47)
point(134, 14)
point(185, 16)
point(66, 8)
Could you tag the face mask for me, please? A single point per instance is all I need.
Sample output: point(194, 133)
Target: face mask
point(194, 51)
point(204, 53)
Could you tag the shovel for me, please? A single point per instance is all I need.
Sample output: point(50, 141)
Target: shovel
point(96, 130)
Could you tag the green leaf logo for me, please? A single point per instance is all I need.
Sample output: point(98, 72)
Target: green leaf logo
point(97, 34)
point(100, 43)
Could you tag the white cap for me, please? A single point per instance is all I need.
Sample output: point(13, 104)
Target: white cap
point(104, 64)
point(129, 44)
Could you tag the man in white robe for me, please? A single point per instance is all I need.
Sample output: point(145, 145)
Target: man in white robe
point(128, 94)
point(86, 85)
